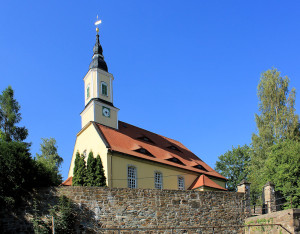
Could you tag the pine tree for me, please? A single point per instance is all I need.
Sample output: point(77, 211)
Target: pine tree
point(9, 117)
point(100, 176)
point(79, 173)
point(91, 170)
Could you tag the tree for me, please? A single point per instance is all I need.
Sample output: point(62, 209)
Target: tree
point(64, 215)
point(277, 121)
point(50, 159)
point(16, 170)
point(282, 167)
point(79, 173)
point(91, 170)
point(100, 176)
point(9, 117)
point(233, 165)
point(19, 173)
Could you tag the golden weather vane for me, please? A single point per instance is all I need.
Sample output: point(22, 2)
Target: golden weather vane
point(97, 23)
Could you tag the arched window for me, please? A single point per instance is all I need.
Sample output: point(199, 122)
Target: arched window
point(84, 154)
point(158, 180)
point(88, 92)
point(131, 176)
point(104, 89)
point(180, 183)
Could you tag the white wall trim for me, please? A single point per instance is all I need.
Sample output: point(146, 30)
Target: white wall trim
point(111, 90)
point(92, 81)
point(86, 75)
point(86, 108)
point(97, 81)
point(102, 72)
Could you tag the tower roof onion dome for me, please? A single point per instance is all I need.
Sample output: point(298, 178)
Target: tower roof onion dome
point(98, 58)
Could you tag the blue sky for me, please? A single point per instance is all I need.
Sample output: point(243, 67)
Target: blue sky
point(184, 69)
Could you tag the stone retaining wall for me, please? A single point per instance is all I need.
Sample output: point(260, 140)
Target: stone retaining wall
point(143, 208)
point(288, 219)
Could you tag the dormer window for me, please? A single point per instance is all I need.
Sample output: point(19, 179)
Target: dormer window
point(175, 160)
point(88, 92)
point(200, 167)
point(104, 89)
point(146, 139)
point(173, 147)
point(144, 151)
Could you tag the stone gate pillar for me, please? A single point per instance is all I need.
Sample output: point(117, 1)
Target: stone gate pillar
point(244, 187)
point(269, 197)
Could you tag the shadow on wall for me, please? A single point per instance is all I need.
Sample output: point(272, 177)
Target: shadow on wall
point(44, 207)
point(90, 209)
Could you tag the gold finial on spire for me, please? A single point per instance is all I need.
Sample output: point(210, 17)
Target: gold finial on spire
point(97, 23)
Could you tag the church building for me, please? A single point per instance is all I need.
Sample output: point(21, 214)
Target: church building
point(133, 157)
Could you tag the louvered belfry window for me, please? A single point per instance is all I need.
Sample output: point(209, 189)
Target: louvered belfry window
point(104, 88)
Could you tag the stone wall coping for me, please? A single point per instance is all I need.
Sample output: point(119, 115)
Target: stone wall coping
point(146, 190)
point(274, 214)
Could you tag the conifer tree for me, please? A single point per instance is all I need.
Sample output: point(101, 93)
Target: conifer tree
point(79, 173)
point(100, 176)
point(9, 117)
point(91, 170)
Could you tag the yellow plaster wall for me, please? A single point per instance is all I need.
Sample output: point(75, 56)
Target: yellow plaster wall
point(89, 140)
point(87, 116)
point(112, 121)
point(219, 182)
point(145, 173)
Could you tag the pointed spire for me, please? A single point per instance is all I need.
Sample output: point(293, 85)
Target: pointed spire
point(97, 47)
point(98, 58)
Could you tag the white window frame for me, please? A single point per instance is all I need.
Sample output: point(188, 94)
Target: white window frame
point(88, 87)
point(158, 180)
point(104, 84)
point(132, 177)
point(84, 154)
point(181, 183)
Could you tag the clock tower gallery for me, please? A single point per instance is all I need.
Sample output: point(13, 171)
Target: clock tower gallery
point(98, 94)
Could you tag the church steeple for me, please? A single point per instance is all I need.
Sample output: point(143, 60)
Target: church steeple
point(98, 58)
point(98, 86)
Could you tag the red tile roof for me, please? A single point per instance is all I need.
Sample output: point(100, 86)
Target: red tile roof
point(128, 139)
point(67, 182)
point(203, 180)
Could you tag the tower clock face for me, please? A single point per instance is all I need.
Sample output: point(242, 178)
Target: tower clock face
point(106, 111)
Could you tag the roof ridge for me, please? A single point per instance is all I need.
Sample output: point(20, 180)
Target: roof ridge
point(146, 130)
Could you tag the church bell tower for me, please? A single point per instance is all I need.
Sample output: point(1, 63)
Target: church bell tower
point(98, 91)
